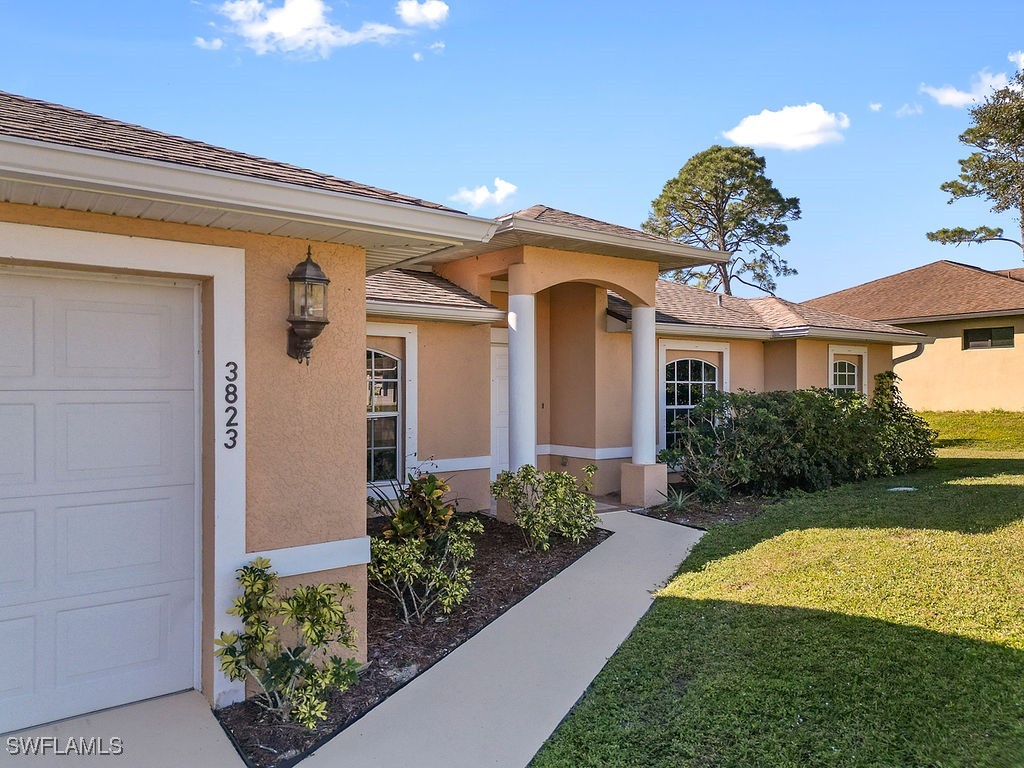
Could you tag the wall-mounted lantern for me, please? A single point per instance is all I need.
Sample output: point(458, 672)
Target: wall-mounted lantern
point(307, 306)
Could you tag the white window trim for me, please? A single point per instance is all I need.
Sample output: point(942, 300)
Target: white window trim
point(409, 366)
point(685, 345)
point(862, 369)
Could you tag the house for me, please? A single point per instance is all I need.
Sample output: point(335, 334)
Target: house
point(976, 318)
point(155, 296)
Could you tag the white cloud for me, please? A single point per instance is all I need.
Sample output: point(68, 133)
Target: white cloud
point(417, 56)
point(982, 85)
point(1017, 57)
point(429, 13)
point(208, 45)
point(875, 106)
point(438, 46)
point(800, 127)
point(480, 196)
point(909, 110)
point(297, 26)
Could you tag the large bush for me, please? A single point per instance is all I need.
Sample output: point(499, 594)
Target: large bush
point(293, 676)
point(766, 443)
point(547, 503)
point(420, 558)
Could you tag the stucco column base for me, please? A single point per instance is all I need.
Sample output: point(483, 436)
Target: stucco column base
point(504, 512)
point(644, 485)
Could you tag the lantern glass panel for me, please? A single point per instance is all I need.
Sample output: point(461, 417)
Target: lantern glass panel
point(316, 298)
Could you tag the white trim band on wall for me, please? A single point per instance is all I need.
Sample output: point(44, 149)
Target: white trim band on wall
point(579, 452)
point(462, 464)
point(310, 558)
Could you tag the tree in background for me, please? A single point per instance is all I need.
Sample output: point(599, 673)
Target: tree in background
point(995, 170)
point(722, 200)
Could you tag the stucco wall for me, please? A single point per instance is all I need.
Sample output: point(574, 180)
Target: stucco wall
point(571, 361)
point(947, 377)
point(779, 365)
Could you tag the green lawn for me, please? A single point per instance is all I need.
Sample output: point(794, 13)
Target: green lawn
point(854, 627)
point(979, 430)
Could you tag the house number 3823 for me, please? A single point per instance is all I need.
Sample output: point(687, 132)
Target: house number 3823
point(231, 409)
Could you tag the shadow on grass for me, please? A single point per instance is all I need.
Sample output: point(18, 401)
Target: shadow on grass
point(723, 684)
point(958, 495)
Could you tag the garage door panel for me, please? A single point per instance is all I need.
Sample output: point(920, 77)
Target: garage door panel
point(17, 333)
point(71, 545)
point(18, 446)
point(134, 644)
point(87, 441)
point(82, 334)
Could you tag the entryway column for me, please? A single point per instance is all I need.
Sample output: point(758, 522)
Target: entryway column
point(644, 480)
point(522, 380)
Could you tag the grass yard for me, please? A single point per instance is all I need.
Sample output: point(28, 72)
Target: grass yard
point(978, 430)
point(851, 628)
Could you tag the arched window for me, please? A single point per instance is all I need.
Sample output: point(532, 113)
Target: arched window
point(844, 375)
point(383, 414)
point(686, 383)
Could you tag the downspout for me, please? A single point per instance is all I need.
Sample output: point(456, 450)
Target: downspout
point(918, 350)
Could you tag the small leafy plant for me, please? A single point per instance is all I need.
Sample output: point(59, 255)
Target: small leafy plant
point(293, 679)
point(546, 503)
point(420, 558)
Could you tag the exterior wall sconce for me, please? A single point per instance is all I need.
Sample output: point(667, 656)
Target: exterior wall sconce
point(307, 306)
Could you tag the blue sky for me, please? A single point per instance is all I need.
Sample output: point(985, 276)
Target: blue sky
point(589, 107)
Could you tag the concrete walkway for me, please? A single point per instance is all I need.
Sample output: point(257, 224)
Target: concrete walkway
point(492, 702)
point(496, 699)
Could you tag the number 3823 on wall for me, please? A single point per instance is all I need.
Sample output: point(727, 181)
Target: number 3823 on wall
point(231, 409)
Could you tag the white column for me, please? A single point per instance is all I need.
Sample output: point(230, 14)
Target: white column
point(522, 381)
point(645, 420)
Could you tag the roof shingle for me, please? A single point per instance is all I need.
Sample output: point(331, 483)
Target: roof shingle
point(938, 289)
point(548, 215)
point(37, 120)
point(410, 286)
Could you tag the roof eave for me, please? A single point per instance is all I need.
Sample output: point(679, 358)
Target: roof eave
point(849, 334)
point(714, 331)
point(476, 316)
point(122, 176)
point(957, 316)
point(686, 255)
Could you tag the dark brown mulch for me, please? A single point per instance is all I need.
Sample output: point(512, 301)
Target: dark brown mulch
point(697, 514)
point(504, 572)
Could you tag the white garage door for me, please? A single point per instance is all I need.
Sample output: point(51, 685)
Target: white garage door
point(97, 494)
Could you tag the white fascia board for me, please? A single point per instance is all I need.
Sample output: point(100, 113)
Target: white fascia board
point(668, 248)
point(139, 178)
point(804, 331)
point(433, 312)
point(712, 331)
point(962, 316)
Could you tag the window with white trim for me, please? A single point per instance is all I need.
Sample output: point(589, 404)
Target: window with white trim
point(844, 376)
point(687, 382)
point(383, 413)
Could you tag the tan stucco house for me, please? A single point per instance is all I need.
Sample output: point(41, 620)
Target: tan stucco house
point(976, 319)
point(157, 434)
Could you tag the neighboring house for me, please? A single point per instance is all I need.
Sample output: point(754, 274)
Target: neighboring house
point(976, 318)
point(157, 436)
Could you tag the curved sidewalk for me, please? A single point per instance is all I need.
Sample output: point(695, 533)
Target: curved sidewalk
point(495, 699)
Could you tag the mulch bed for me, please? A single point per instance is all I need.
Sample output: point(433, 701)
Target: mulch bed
point(700, 515)
point(504, 572)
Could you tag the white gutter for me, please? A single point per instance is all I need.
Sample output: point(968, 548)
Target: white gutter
point(667, 248)
point(713, 331)
point(804, 331)
point(434, 312)
point(962, 316)
point(87, 170)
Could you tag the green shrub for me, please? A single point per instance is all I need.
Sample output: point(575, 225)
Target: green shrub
point(420, 557)
point(546, 503)
point(767, 443)
point(293, 679)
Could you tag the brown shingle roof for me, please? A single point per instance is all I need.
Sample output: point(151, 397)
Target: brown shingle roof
point(934, 290)
point(36, 120)
point(686, 305)
point(410, 286)
point(548, 215)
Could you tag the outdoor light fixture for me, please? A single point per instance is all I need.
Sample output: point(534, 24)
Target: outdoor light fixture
point(307, 306)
